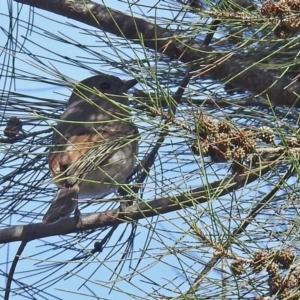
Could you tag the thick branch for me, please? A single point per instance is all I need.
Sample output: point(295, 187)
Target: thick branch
point(136, 212)
point(241, 74)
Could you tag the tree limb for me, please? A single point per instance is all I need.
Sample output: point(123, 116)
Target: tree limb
point(138, 211)
point(228, 68)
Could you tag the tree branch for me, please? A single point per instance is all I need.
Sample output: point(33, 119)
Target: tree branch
point(233, 68)
point(136, 212)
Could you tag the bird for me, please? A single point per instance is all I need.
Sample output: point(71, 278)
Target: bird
point(94, 144)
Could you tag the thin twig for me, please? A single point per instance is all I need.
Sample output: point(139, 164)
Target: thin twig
point(13, 268)
point(219, 250)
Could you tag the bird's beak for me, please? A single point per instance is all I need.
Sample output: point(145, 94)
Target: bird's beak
point(129, 84)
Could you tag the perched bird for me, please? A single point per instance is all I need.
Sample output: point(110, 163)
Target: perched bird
point(94, 144)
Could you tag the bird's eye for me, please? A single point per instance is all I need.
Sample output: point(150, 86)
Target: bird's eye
point(104, 86)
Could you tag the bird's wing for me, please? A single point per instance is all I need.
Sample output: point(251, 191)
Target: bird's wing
point(85, 153)
point(93, 159)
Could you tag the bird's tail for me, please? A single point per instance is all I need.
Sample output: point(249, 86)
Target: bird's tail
point(63, 205)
